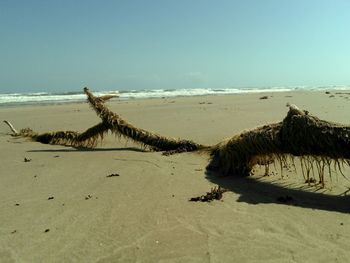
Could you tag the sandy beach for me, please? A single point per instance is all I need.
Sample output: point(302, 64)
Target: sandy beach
point(61, 207)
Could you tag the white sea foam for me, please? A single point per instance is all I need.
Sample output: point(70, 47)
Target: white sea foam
point(47, 98)
point(44, 98)
point(190, 92)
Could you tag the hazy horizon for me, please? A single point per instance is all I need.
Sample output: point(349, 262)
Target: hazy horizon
point(119, 45)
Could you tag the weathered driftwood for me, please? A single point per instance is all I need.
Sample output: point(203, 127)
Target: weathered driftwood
point(316, 142)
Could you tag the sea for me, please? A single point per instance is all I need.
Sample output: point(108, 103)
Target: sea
point(15, 99)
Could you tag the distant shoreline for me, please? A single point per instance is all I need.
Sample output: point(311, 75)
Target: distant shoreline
point(43, 98)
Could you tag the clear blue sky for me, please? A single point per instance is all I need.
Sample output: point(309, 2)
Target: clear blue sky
point(65, 45)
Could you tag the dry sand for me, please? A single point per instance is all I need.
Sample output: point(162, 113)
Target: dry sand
point(61, 207)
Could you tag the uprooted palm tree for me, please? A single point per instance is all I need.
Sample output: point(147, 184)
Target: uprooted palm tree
point(299, 134)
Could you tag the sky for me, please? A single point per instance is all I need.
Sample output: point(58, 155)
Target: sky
point(50, 45)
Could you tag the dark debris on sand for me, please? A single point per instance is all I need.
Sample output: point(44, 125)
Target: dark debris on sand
point(88, 197)
point(264, 98)
point(214, 194)
point(113, 175)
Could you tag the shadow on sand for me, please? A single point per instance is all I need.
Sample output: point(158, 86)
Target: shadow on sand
point(253, 191)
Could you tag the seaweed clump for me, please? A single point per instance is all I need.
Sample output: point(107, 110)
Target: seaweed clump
point(214, 194)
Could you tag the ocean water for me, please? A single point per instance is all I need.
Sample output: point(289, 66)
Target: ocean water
point(13, 99)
